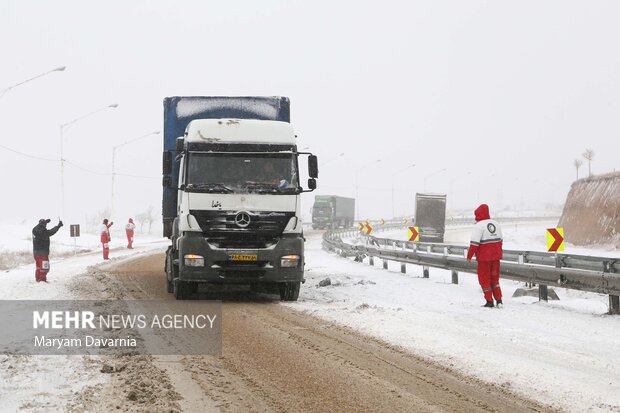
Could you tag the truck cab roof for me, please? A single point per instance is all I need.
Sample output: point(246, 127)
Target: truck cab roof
point(239, 131)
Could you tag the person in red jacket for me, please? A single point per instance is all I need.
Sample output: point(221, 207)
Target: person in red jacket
point(486, 244)
point(129, 229)
point(106, 238)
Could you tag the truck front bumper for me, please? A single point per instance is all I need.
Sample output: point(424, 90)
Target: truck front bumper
point(220, 268)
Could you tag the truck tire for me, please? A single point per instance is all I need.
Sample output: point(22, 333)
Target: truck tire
point(169, 282)
point(168, 272)
point(289, 291)
point(172, 271)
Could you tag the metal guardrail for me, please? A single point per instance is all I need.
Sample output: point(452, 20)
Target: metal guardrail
point(577, 272)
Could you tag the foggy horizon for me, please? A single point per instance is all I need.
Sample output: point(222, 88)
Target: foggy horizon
point(492, 102)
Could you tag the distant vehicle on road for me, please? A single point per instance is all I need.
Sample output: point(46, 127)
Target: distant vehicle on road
point(332, 211)
point(430, 216)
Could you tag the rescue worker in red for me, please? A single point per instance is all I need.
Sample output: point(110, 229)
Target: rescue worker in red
point(486, 245)
point(106, 238)
point(129, 229)
point(41, 248)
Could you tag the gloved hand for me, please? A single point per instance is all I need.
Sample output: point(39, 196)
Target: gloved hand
point(60, 224)
point(111, 223)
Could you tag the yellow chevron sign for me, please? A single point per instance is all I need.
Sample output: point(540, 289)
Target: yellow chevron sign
point(555, 239)
point(413, 234)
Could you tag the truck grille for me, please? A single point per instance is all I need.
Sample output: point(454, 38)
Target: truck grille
point(263, 230)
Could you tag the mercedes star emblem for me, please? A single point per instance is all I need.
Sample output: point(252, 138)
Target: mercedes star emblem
point(242, 219)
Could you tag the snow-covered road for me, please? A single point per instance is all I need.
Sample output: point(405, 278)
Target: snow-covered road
point(562, 353)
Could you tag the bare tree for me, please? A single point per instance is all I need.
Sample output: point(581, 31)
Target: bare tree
point(152, 216)
point(142, 218)
point(577, 164)
point(589, 155)
point(94, 221)
point(149, 216)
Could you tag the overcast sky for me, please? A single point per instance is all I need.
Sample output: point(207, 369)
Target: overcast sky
point(503, 95)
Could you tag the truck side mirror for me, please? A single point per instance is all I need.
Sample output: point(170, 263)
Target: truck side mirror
point(313, 166)
point(312, 184)
point(167, 163)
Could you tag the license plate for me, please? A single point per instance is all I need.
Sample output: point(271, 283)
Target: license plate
point(243, 257)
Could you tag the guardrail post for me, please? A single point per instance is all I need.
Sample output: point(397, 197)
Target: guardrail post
point(455, 277)
point(385, 264)
point(614, 304)
point(614, 300)
point(403, 268)
point(426, 271)
point(542, 292)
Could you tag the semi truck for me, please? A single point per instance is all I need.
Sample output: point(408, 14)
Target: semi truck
point(332, 211)
point(231, 195)
point(430, 216)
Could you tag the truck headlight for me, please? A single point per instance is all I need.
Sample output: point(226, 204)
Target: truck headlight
point(194, 260)
point(289, 261)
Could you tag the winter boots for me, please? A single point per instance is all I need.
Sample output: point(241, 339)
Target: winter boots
point(489, 304)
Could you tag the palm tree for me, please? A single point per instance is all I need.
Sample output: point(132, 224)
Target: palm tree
point(589, 155)
point(578, 163)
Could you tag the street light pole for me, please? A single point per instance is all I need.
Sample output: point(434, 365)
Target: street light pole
point(58, 69)
point(114, 149)
point(62, 158)
point(357, 207)
point(393, 176)
point(431, 174)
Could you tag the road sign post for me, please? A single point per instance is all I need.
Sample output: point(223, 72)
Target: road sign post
point(74, 230)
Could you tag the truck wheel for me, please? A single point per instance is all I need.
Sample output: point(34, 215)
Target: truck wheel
point(172, 271)
point(168, 271)
point(289, 291)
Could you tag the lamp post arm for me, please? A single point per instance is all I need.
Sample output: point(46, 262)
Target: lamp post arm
point(58, 69)
point(64, 125)
point(136, 139)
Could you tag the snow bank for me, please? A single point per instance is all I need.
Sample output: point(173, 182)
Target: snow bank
point(592, 211)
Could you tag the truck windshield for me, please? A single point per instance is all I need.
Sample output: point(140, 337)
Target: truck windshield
point(324, 209)
point(228, 173)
